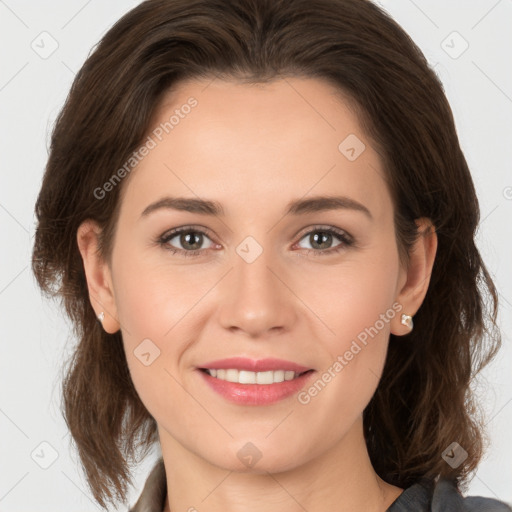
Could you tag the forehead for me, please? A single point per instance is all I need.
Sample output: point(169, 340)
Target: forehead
point(269, 143)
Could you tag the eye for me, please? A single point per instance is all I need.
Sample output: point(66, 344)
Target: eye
point(320, 240)
point(190, 239)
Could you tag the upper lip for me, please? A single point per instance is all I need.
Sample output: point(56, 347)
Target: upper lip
point(254, 365)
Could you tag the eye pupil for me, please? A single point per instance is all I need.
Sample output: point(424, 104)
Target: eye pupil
point(322, 235)
point(185, 240)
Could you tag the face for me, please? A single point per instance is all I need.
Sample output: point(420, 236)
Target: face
point(276, 273)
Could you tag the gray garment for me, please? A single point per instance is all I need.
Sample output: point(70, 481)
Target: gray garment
point(443, 496)
point(420, 497)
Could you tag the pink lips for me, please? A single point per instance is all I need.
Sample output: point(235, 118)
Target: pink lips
point(255, 394)
point(261, 365)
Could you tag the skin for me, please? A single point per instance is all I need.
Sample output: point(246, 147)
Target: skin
point(254, 149)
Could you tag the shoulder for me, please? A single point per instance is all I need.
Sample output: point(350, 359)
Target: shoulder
point(446, 492)
point(443, 496)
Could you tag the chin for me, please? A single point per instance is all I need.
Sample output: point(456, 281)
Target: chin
point(251, 459)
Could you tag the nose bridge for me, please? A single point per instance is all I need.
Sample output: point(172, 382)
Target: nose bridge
point(254, 282)
point(254, 299)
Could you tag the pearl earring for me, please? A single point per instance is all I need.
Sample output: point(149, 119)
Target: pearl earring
point(101, 317)
point(407, 320)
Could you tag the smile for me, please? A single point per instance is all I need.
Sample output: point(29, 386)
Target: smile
point(248, 377)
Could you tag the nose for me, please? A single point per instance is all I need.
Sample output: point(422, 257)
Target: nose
point(256, 298)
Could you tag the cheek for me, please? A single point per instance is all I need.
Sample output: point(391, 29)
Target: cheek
point(353, 298)
point(147, 308)
point(357, 304)
point(158, 307)
point(152, 298)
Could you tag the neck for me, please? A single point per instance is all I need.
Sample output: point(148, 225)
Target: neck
point(340, 479)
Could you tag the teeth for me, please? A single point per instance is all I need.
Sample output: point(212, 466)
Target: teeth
point(247, 377)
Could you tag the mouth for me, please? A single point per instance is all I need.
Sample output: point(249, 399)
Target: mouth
point(249, 377)
point(246, 381)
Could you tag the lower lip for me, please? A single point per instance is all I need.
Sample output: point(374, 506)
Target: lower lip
point(256, 394)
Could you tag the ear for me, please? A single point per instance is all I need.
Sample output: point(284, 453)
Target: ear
point(97, 272)
point(414, 280)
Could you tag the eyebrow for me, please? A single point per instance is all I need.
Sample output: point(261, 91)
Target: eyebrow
point(297, 207)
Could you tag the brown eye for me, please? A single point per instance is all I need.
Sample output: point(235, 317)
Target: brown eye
point(187, 241)
point(321, 240)
point(192, 240)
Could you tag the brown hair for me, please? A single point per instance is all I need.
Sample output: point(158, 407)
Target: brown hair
point(423, 402)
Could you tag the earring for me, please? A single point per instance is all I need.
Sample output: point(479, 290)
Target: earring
point(407, 320)
point(101, 317)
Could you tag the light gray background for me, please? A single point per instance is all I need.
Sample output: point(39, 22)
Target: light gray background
point(35, 336)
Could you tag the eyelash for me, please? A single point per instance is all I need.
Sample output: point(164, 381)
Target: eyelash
point(345, 239)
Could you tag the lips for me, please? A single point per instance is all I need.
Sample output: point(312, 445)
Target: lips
point(253, 365)
point(255, 382)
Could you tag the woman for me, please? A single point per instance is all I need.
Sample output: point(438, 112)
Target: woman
point(261, 223)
